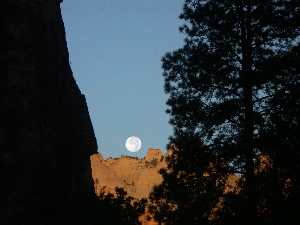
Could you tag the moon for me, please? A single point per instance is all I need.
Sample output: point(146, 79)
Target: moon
point(133, 144)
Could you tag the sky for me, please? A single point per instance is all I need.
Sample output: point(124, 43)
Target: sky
point(115, 49)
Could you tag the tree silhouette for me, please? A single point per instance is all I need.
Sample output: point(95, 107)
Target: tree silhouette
point(190, 190)
point(234, 87)
point(120, 208)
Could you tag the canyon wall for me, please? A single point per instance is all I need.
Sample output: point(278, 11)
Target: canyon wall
point(46, 135)
point(136, 176)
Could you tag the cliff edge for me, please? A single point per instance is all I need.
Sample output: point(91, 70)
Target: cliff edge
point(44, 120)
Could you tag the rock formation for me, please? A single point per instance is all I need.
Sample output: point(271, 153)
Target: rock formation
point(46, 136)
point(153, 154)
point(136, 176)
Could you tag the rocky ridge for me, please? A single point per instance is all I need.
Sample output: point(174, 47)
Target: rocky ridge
point(137, 176)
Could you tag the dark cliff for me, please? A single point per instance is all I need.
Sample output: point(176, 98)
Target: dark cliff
point(46, 136)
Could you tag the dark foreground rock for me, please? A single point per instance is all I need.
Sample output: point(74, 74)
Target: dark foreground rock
point(46, 135)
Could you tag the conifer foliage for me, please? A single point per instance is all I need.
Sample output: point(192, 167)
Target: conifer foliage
point(121, 208)
point(234, 89)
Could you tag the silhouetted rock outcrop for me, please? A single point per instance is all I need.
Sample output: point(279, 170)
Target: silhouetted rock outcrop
point(46, 136)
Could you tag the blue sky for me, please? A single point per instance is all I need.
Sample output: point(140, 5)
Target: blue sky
point(115, 49)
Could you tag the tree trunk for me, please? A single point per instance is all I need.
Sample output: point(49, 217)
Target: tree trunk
point(251, 206)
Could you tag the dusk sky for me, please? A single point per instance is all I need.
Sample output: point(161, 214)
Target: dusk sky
point(115, 49)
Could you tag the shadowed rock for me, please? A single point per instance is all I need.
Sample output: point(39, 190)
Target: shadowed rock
point(46, 135)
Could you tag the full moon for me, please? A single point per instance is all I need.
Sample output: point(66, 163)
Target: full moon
point(133, 144)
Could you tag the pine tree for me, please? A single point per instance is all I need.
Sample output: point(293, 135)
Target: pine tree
point(230, 84)
point(120, 208)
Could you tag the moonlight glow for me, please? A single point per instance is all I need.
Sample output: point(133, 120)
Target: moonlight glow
point(133, 144)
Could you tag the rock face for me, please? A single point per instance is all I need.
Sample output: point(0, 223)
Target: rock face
point(136, 176)
point(153, 154)
point(46, 136)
